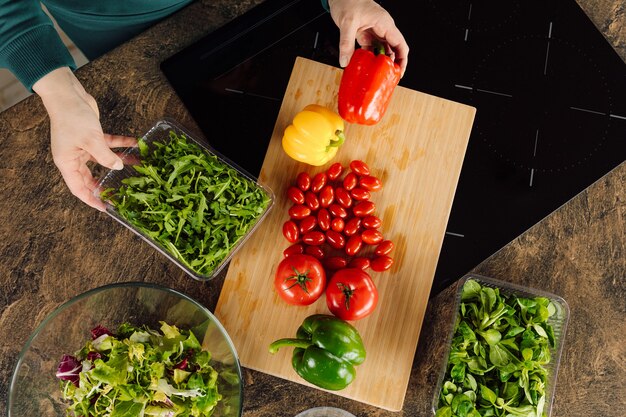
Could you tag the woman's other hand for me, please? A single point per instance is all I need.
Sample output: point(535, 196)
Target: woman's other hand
point(76, 135)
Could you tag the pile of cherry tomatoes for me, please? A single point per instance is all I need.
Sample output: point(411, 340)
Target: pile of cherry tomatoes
point(333, 230)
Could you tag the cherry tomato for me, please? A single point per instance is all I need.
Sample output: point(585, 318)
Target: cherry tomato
point(334, 171)
point(315, 251)
point(335, 239)
point(327, 196)
point(371, 236)
point(343, 197)
point(335, 262)
point(323, 219)
point(337, 224)
point(314, 238)
point(298, 211)
point(337, 211)
point(359, 262)
point(350, 181)
point(290, 231)
point(371, 222)
point(384, 248)
point(364, 208)
point(352, 226)
point(311, 200)
point(303, 180)
point(353, 245)
point(351, 294)
point(307, 224)
point(295, 194)
point(300, 279)
point(318, 182)
point(370, 183)
point(360, 194)
point(359, 167)
point(381, 263)
point(295, 249)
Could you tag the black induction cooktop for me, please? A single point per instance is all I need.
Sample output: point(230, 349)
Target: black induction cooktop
point(550, 93)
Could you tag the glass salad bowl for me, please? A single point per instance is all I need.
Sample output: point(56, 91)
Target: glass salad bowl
point(131, 349)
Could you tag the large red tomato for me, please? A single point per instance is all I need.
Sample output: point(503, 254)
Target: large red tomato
point(300, 279)
point(351, 294)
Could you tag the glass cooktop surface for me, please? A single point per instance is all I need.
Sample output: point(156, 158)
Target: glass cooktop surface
point(550, 94)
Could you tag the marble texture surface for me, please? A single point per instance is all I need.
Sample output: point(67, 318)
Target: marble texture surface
point(53, 247)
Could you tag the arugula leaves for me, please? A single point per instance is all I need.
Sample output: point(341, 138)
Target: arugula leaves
point(498, 356)
point(143, 372)
point(188, 201)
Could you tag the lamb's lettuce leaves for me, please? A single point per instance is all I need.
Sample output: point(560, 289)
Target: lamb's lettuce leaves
point(498, 357)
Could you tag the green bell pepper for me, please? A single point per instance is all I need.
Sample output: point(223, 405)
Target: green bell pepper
point(326, 351)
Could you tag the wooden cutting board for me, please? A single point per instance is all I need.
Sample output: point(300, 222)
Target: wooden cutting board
point(417, 149)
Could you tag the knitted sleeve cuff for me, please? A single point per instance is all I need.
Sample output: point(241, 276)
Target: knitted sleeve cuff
point(34, 53)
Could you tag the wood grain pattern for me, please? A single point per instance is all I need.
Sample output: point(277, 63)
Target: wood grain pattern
point(417, 149)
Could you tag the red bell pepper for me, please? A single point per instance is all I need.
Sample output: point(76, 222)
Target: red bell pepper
point(366, 86)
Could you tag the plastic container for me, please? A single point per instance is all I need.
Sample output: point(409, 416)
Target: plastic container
point(325, 412)
point(131, 156)
point(558, 321)
point(36, 391)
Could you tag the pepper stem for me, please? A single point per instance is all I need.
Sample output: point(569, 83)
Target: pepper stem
point(341, 138)
point(378, 48)
point(297, 343)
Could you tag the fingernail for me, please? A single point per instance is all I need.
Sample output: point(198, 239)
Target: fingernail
point(343, 61)
point(119, 165)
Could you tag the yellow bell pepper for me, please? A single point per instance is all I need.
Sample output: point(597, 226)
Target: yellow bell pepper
point(314, 135)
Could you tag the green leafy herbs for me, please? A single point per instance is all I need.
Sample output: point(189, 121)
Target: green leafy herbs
point(498, 356)
point(141, 372)
point(188, 201)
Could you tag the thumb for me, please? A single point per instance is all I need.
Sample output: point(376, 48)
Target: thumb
point(100, 151)
point(347, 36)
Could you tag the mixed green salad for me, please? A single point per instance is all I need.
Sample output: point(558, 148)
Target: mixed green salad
point(499, 357)
point(139, 371)
point(190, 202)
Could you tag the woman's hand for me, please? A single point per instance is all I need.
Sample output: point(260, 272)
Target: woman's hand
point(76, 135)
point(365, 21)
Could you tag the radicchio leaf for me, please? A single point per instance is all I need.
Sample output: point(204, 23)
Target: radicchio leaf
point(69, 369)
point(98, 331)
point(182, 364)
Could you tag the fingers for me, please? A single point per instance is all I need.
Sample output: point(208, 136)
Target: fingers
point(347, 34)
point(77, 175)
point(116, 141)
point(365, 21)
point(399, 46)
point(89, 181)
point(386, 30)
point(76, 182)
point(99, 149)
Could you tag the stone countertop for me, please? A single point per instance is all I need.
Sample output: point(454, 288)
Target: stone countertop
point(53, 247)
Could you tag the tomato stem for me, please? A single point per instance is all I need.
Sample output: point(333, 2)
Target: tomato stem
point(300, 279)
point(347, 292)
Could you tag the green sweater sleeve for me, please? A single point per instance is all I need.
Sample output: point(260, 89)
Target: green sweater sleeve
point(30, 47)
